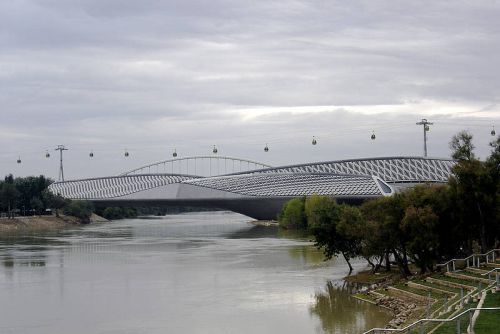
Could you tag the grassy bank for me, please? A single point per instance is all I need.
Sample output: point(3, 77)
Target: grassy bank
point(488, 321)
point(434, 295)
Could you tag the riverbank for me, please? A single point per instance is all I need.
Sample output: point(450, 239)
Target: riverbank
point(435, 295)
point(42, 223)
point(380, 291)
point(264, 223)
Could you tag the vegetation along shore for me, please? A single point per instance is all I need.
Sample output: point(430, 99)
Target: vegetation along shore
point(27, 205)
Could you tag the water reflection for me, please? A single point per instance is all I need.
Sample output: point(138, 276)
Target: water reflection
point(24, 251)
point(307, 254)
point(255, 231)
point(188, 273)
point(8, 261)
point(339, 312)
point(32, 260)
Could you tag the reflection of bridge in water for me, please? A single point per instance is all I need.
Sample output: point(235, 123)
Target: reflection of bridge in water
point(252, 188)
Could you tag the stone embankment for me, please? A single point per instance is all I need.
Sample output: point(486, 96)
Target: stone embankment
point(401, 309)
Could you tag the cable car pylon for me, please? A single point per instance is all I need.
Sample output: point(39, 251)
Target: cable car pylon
point(61, 148)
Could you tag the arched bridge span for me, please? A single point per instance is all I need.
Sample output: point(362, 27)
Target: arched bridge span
point(205, 165)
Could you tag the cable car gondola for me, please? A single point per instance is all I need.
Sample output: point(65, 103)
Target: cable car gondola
point(493, 132)
point(373, 135)
point(215, 150)
point(91, 154)
point(314, 141)
point(266, 149)
point(126, 154)
point(19, 160)
point(47, 154)
point(175, 153)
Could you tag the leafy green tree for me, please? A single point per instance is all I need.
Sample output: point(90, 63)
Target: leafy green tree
point(462, 147)
point(80, 209)
point(111, 213)
point(419, 224)
point(29, 188)
point(36, 204)
point(384, 214)
point(475, 186)
point(365, 234)
point(9, 196)
point(117, 212)
point(442, 201)
point(56, 202)
point(323, 218)
point(293, 215)
point(347, 227)
point(493, 169)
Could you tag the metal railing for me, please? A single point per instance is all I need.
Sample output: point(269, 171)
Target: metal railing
point(419, 326)
point(475, 258)
point(497, 277)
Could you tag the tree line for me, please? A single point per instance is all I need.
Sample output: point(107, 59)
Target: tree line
point(26, 195)
point(423, 225)
point(31, 196)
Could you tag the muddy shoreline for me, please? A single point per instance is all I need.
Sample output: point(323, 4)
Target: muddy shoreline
point(41, 223)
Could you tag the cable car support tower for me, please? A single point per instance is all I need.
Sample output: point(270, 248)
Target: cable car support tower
point(61, 148)
point(425, 124)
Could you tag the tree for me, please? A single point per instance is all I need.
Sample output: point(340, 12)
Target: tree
point(79, 209)
point(293, 215)
point(9, 195)
point(347, 228)
point(493, 169)
point(365, 234)
point(462, 147)
point(442, 201)
point(385, 214)
point(56, 202)
point(475, 185)
point(419, 224)
point(36, 204)
point(323, 218)
point(30, 188)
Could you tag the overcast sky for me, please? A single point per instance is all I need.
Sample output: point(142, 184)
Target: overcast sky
point(150, 76)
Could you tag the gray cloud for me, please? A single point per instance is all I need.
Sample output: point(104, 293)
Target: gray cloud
point(153, 75)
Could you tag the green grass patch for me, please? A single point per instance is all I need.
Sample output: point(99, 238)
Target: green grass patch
point(455, 280)
point(488, 321)
point(451, 327)
point(440, 287)
point(473, 274)
point(420, 292)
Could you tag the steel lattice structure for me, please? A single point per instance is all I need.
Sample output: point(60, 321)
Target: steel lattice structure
point(113, 186)
point(391, 169)
point(296, 184)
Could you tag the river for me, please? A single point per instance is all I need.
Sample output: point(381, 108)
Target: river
point(211, 272)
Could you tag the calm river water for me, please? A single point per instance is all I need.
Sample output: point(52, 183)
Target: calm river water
point(188, 273)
